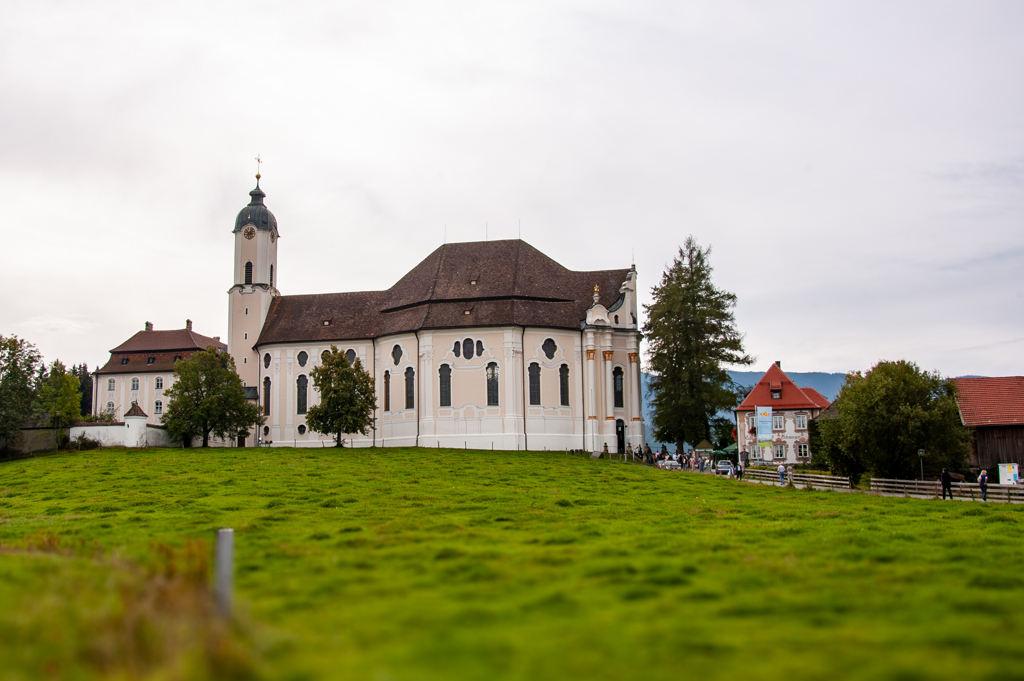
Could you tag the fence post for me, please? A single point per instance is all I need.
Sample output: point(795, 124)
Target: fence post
point(224, 570)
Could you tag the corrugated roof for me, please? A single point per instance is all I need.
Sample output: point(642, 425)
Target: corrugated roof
point(991, 401)
point(486, 283)
point(791, 395)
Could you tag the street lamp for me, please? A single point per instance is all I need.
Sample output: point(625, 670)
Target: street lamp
point(920, 454)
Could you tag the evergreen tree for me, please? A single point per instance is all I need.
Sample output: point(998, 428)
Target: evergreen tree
point(207, 397)
point(59, 401)
point(18, 362)
point(84, 386)
point(880, 420)
point(691, 336)
point(347, 399)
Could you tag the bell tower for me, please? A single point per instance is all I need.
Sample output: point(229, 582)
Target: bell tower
point(255, 282)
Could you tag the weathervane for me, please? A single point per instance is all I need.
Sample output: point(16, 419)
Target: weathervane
point(258, 162)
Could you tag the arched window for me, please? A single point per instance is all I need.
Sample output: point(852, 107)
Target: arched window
point(266, 361)
point(467, 348)
point(110, 407)
point(271, 276)
point(444, 375)
point(158, 408)
point(351, 356)
point(457, 350)
point(159, 383)
point(135, 384)
point(492, 384)
point(617, 383)
point(396, 354)
point(534, 372)
point(266, 396)
point(303, 358)
point(387, 391)
point(563, 384)
point(300, 394)
point(410, 388)
point(324, 355)
point(248, 272)
point(111, 383)
point(479, 348)
point(549, 348)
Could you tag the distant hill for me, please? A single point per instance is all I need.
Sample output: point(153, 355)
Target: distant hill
point(826, 384)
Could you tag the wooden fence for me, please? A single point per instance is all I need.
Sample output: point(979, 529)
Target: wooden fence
point(799, 479)
point(933, 488)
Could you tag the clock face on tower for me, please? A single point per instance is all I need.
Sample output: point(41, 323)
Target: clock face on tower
point(249, 232)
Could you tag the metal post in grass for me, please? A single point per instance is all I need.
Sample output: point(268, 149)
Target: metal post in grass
point(920, 455)
point(224, 570)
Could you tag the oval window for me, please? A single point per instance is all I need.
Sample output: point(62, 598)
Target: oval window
point(457, 350)
point(396, 354)
point(324, 355)
point(303, 358)
point(301, 429)
point(351, 356)
point(266, 361)
point(480, 348)
point(467, 348)
point(549, 348)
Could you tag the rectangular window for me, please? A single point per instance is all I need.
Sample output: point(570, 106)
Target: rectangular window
point(801, 451)
point(801, 422)
point(778, 422)
point(780, 451)
point(534, 372)
point(110, 383)
point(492, 384)
point(410, 388)
point(387, 391)
point(159, 382)
point(563, 384)
point(158, 408)
point(445, 377)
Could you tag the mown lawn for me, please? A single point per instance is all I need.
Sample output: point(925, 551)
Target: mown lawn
point(447, 564)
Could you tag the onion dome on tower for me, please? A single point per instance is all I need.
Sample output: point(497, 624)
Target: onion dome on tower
point(256, 213)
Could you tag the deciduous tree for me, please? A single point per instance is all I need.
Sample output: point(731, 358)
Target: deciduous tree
point(347, 398)
point(207, 398)
point(18, 362)
point(691, 337)
point(59, 401)
point(881, 419)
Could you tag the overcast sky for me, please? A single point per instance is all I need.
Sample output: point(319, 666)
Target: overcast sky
point(856, 167)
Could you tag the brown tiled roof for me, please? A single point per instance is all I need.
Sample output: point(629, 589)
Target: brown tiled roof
point(515, 285)
point(136, 410)
point(792, 397)
point(176, 339)
point(991, 401)
point(162, 346)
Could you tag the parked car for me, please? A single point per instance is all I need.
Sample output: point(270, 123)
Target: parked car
point(723, 467)
point(669, 465)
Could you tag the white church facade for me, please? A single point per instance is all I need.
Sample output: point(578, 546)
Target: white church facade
point(482, 345)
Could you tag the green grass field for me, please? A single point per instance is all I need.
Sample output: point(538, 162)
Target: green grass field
point(447, 564)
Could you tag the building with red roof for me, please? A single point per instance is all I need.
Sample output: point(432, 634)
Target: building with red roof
point(142, 368)
point(993, 409)
point(792, 408)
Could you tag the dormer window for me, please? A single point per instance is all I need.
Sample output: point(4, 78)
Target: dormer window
point(327, 322)
point(124, 360)
point(776, 395)
point(177, 358)
point(150, 359)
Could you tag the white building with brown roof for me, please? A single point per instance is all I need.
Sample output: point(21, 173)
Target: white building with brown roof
point(142, 368)
point(792, 409)
point(486, 344)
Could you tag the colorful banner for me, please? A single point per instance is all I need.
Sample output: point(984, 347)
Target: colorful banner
point(764, 426)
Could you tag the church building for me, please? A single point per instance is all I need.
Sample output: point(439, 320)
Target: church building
point(482, 345)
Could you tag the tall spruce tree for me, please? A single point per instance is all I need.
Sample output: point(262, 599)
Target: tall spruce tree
point(691, 337)
point(59, 401)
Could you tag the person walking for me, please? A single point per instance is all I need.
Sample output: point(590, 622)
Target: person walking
point(947, 484)
point(983, 484)
point(739, 470)
point(782, 474)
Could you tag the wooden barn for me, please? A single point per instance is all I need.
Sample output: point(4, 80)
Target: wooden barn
point(993, 409)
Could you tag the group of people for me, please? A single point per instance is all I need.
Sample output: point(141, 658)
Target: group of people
point(693, 462)
point(947, 484)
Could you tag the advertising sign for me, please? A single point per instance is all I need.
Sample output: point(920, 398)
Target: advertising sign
point(764, 426)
